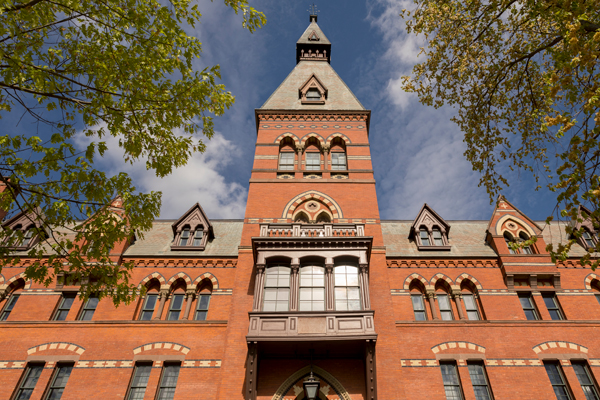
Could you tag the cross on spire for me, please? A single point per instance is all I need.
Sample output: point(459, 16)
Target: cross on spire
point(313, 9)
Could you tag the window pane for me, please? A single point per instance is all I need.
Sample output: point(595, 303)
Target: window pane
point(28, 384)
point(443, 301)
point(549, 301)
point(437, 237)
point(449, 375)
point(525, 301)
point(92, 303)
point(203, 301)
point(424, 237)
point(417, 301)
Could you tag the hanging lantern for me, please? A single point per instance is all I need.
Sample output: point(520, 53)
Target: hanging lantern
point(311, 387)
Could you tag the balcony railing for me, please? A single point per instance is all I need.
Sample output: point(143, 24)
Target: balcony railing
point(311, 325)
point(312, 230)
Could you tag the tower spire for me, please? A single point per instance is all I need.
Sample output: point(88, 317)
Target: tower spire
point(313, 45)
point(313, 12)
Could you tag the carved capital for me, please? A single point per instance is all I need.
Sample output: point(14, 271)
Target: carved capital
point(260, 268)
point(364, 268)
point(329, 268)
point(164, 293)
point(430, 294)
point(295, 268)
point(456, 294)
point(190, 294)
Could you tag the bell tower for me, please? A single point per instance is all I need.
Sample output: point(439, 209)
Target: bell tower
point(311, 252)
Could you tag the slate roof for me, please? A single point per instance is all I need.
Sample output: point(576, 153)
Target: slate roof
point(157, 242)
point(339, 96)
point(309, 30)
point(467, 239)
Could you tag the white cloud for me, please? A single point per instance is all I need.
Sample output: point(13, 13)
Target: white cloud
point(200, 180)
point(421, 157)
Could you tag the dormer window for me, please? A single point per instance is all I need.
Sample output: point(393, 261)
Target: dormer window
point(313, 95)
point(526, 249)
point(185, 235)
point(27, 238)
point(437, 237)
point(192, 231)
point(429, 231)
point(198, 237)
point(588, 239)
point(424, 235)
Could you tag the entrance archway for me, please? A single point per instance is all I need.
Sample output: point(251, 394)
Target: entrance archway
point(292, 388)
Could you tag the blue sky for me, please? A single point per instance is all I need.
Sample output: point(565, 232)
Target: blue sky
point(417, 151)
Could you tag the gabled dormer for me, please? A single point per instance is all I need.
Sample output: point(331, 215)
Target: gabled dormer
point(509, 225)
point(192, 231)
point(313, 91)
point(589, 233)
point(26, 230)
point(429, 231)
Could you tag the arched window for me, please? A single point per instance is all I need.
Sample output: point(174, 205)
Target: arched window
point(301, 218)
point(470, 301)
point(523, 237)
point(508, 238)
point(150, 301)
point(177, 296)
point(347, 288)
point(11, 301)
point(444, 302)
point(287, 154)
point(323, 217)
point(338, 155)
point(418, 301)
point(185, 236)
point(596, 289)
point(277, 288)
point(203, 302)
point(588, 239)
point(312, 158)
point(437, 237)
point(312, 288)
point(424, 236)
point(198, 235)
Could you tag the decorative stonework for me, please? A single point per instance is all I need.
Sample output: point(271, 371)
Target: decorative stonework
point(540, 348)
point(457, 345)
point(162, 346)
point(210, 277)
point(331, 204)
point(56, 346)
point(180, 275)
point(589, 279)
point(154, 275)
point(293, 380)
point(345, 138)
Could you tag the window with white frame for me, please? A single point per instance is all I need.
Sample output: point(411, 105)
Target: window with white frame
point(347, 288)
point(277, 288)
point(312, 288)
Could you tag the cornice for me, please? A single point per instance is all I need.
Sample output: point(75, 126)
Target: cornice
point(312, 115)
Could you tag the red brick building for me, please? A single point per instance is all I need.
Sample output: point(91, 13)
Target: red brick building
point(312, 279)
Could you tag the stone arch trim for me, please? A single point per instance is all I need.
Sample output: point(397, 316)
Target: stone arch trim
point(540, 348)
point(443, 277)
point(336, 135)
point(56, 346)
point(311, 135)
point(335, 208)
point(288, 134)
point(289, 382)
point(457, 345)
point(588, 280)
point(210, 277)
point(154, 275)
point(516, 220)
point(182, 275)
point(17, 277)
point(411, 278)
point(468, 277)
point(162, 346)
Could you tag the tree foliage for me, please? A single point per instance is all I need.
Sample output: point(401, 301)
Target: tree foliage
point(523, 77)
point(123, 68)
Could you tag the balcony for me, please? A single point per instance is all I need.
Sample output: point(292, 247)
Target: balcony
point(305, 326)
point(312, 230)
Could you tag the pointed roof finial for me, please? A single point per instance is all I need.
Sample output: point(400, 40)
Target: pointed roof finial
point(313, 12)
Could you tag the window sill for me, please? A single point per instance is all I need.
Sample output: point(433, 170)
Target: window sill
point(187, 248)
point(308, 102)
point(434, 248)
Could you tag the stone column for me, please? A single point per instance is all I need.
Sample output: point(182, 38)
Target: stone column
point(251, 371)
point(329, 287)
point(325, 158)
point(259, 284)
point(299, 165)
point(294, 287)
point(163, 295)
point(190, 294)
point(364, 286)
point(430, 294)
point(457, 295)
